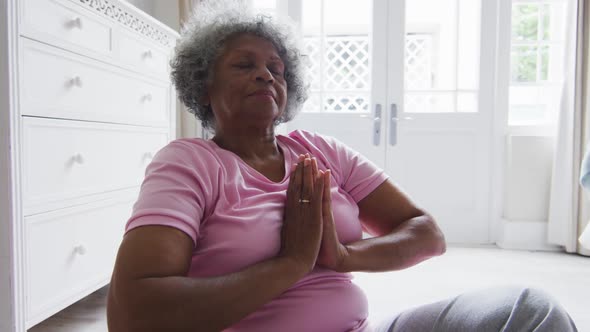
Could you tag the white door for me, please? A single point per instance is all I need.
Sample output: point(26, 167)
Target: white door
point(439, 125)
point(409, 85)
point(347, 76)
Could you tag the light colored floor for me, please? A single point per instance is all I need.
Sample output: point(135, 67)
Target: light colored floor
point(566, 277)
point(461, 269)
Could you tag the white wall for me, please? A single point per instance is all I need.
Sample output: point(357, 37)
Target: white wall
point(145, 5)
point(528, 177)
point(165, 11)
point(527, 183)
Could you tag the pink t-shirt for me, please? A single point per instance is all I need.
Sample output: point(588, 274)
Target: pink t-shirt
point(234, 215)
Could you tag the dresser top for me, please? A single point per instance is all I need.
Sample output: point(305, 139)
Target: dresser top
point(133, 18)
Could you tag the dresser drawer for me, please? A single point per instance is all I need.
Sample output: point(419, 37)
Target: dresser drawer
point(65, 24)
point(70, 253)
point(64, 160)
point(59, 84)
point(141, 55)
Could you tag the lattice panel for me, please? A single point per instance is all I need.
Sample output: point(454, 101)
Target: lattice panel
point(312, 50)
point(418, 64)
point(346, 102)
point(347, 63)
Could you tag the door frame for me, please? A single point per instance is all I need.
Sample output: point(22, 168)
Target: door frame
point(502, 12)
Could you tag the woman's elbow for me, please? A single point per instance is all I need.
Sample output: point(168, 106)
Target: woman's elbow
point(115, 313)
point(122, 316)
point(439, 244)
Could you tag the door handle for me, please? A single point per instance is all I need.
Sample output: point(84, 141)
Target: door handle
point(377, 125)
point(393, 125)
point(393, 120)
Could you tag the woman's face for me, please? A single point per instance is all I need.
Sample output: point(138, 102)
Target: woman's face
point(247, 87)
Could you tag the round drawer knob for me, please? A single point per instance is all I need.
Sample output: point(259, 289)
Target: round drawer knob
point(80, 250)
point(147, 97)
point(75, 23)
point(76, 81)
point(147, 54)
point(78, 159)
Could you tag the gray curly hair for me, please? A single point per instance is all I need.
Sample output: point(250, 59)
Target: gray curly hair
point(202, 39)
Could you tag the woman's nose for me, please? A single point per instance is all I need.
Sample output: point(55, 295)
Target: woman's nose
point(263, 74)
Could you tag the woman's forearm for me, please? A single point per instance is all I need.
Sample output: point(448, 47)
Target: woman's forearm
point(198, 304)
point(410, 243)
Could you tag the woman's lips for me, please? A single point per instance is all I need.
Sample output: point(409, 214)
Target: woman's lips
point(263, 94)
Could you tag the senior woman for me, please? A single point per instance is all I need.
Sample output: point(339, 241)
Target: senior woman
point(254, 231)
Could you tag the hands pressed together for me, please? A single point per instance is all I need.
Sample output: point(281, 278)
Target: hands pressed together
point(309, 234)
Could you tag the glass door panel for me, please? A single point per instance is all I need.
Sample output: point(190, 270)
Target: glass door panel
point(442, 56)
point(337, 40)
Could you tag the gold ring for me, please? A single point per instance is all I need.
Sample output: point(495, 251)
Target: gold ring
point(304, 201)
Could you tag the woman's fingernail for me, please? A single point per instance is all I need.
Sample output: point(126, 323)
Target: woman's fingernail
point(306, 162)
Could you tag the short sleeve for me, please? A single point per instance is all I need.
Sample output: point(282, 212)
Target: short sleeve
point(356, 174)
point(174, 191)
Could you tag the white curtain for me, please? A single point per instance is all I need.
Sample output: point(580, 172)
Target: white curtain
point(186, 8)
point(562, 226)
point(584, 225)
point(583, 222)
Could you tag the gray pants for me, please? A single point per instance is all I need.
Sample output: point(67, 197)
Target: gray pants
point(506, 309)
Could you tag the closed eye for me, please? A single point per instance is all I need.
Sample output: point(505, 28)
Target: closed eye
point(276, 71)
point(276, 68)
point(243, 65)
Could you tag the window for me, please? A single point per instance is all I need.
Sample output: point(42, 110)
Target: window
point(536, 66)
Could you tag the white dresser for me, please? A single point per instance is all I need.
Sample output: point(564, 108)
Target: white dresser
point(85, 103)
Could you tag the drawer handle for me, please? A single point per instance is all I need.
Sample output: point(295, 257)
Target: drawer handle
point(76, 81)
point(75, 23)
point(147, 97)
point(80, 250)
point(78, 159)
point(147, 54)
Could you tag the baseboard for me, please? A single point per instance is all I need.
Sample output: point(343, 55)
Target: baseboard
point(584, 241)
point(583, 252)
point(524, 235)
